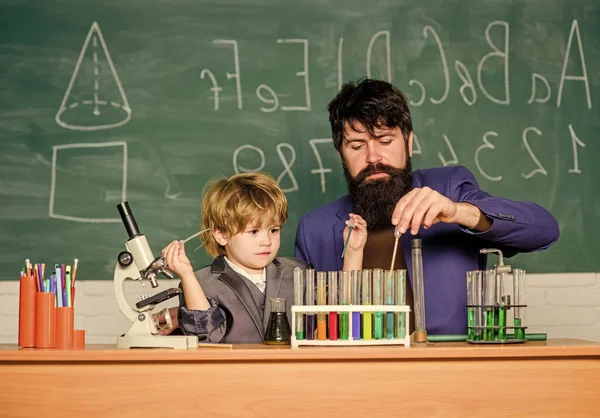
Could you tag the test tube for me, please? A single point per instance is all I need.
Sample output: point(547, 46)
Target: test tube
point(470, 309)
point(355, 279)
point(501, 308)
point(345, 290)
point(332, 298)
point(418, 288)
point(400, 299)
point(519, 303)
point(490, 304)
point(310, 301)
point(479, 301)
point(299, 301)
point(388, 290)
point(321, 300)
point(367, 317)
point(378, 300)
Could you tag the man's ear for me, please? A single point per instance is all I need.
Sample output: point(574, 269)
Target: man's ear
point(219, 237)
point(410, 143)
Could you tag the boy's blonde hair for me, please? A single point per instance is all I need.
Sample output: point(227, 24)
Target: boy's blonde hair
point(229, 205)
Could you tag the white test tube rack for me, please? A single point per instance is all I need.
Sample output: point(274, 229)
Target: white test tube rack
point(306, 309)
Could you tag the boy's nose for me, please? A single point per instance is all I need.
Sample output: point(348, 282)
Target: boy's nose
point(266, 241)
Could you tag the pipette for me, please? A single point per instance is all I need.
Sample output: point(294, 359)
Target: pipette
point(194, 235)
point(397, 235)
point(350, 228)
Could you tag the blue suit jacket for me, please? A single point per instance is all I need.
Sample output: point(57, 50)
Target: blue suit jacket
point(449, 251)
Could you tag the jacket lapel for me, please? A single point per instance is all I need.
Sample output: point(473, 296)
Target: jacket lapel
point(273, 290)
point(240, 289)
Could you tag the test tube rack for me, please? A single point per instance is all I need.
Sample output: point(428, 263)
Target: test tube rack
point(495, 334)
point(495, 299)
point(315, 309)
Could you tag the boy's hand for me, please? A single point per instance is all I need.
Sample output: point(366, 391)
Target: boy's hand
point(162, 322)
point(177, 261)
point(358, 236)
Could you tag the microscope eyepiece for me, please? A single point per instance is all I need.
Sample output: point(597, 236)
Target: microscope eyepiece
point(128, 220)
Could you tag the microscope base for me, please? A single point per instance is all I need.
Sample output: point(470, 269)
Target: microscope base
point(182, 342)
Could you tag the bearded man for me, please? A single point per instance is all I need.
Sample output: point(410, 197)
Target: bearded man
point(444, 207)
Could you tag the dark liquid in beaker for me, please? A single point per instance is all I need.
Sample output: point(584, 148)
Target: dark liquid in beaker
point(278, 330)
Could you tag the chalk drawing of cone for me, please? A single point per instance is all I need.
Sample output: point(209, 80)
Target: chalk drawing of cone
point(95, 98)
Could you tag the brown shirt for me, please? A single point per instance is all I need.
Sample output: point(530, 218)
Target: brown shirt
point(378, 254)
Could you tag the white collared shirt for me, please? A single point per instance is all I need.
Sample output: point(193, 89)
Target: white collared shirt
point(259, 279)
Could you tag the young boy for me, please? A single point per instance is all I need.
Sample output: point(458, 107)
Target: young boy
point(229, 301)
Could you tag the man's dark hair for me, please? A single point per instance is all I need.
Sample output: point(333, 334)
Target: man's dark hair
point(375, 104)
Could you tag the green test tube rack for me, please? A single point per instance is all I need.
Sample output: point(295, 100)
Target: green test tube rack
point(496, 305)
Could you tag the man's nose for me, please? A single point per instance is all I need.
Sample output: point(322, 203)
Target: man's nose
point(373, 155)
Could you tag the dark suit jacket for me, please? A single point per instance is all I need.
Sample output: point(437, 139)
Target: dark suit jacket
point(449, 251)
point(239, 312)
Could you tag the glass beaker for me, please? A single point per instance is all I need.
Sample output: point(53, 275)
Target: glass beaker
point(278, 329)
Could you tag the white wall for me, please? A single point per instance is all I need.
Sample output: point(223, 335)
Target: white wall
point(562, 305)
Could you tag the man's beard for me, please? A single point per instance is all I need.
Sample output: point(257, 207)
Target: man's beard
point(375, 199)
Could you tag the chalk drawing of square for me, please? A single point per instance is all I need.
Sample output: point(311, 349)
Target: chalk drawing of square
point(53, 186)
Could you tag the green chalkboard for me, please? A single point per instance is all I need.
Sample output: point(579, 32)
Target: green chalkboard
point(146, 100)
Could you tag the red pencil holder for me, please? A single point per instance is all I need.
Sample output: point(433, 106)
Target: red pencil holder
point(45, 320)
point(79, 339)
point(65, 319)
point(27, 292)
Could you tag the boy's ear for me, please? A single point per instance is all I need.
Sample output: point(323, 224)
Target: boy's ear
point(220, 237)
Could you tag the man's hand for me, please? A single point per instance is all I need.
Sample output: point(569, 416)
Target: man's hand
point(424, 206)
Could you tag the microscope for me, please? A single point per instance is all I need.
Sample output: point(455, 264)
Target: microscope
point(138, 263)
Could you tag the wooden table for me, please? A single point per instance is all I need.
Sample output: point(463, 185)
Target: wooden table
point(557, 378)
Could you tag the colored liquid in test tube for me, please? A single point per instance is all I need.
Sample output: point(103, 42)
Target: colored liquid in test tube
point(490, 304)
point(321, 300)
point(356, 285)
point(309, 299)
point(378, 300)
point(519, 302)
point(299, 301)
point(479, 299)
point(367, 317)
point(501, 308)
point(332, 299)
point(470, 308)
point(388, 291)
point(345, 290)
point(400, 299)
